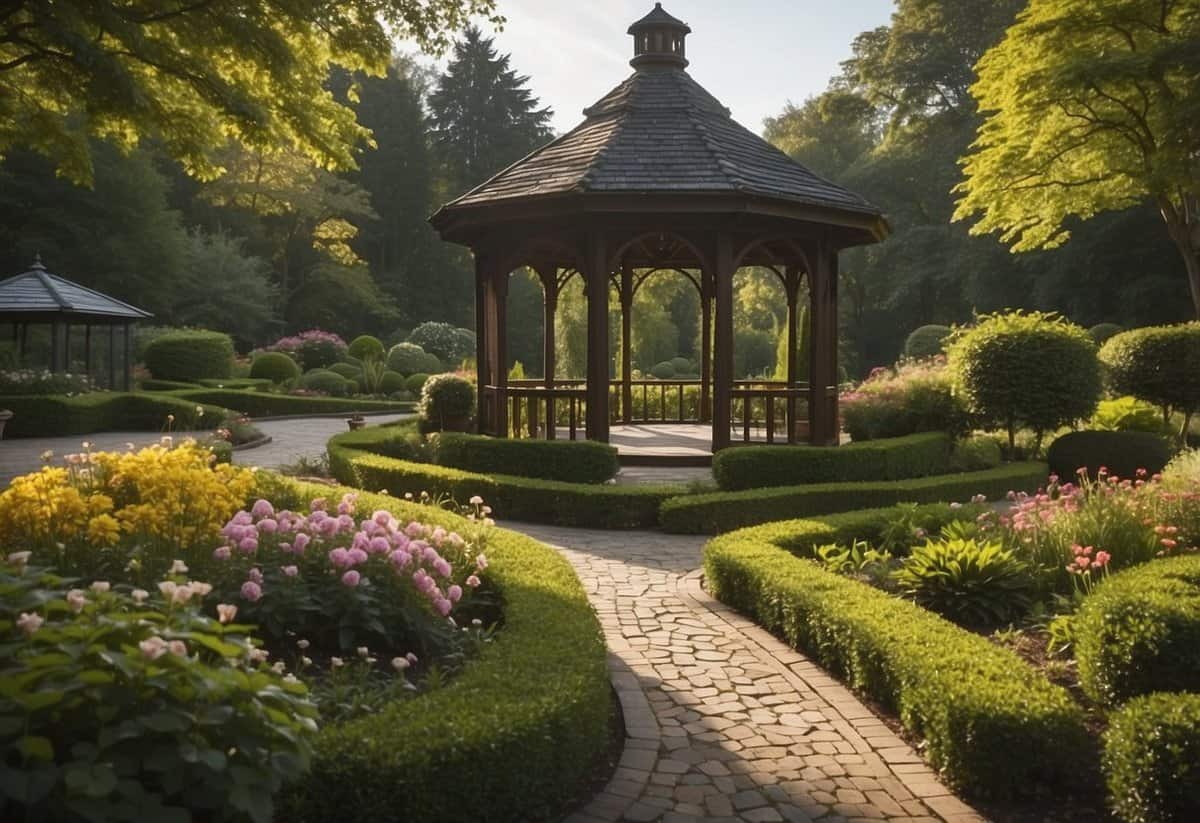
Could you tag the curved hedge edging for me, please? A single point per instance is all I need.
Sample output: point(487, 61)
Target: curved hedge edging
point(1152, 759)
point(570, 461)
point(512, 498)
point(57, 415)
point(511, 737)
point(718, 512)
point(1139, 632)
point(994, 725)
point(265, 404)
point(893, 458)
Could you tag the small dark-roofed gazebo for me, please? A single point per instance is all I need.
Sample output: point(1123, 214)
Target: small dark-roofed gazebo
point(37, 297)
point(659, 177)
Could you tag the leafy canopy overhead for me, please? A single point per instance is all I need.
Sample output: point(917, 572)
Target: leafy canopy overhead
point(193, 74)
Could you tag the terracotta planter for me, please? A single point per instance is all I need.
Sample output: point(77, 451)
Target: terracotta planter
point(5, 415)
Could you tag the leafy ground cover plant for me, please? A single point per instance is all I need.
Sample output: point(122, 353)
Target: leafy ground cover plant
point(974, 583)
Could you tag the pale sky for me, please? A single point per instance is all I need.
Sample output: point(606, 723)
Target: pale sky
point(752, 55)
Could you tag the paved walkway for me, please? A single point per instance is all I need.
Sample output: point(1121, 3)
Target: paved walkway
point(724, 721)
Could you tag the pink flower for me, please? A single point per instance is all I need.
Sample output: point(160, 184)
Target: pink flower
point(379, 545)
point(1083, 561)
point(226, 612)
point(153, 647)
point(340, 558)
point(473, 582)
point(251, 591)
point(290, 571)
point(268, 526)
point(30, 622)
point(255, 575)
point(443, 606)
point(442, 567)
point(177, 648)
point(76, 600)
point(351, 578)
point(1169, 543)
point(300, 542)
point(481, 562)
point(1102, 558)
point(248, 544)
point(262, 508)
point(454, 593)
point(356, 556)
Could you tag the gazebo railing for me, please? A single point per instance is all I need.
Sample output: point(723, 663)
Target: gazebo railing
point(762, 411)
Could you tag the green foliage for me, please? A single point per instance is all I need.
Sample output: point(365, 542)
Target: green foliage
point(1121, 452)
point(571, 461)
point(1030, 370)
point(717, 512)
point(1158, 365)
point(447, 401)
point(188, 355)
point(1152, 759)
point(926, 341)
point(327, 382)
point(753, 353)
point(266, 404)
point(975, 454)
point(1128, 414)
point(366, 347)
point(37, 381)
point(400, 440)
point(347, 370)
point(274, 366)
point(56, 415)
point(1139, 632)
point(342, 296)
point(444, 341)
point(392, 382)
point(124, 705)
point(223, 287)
point(750, 467)
point(409, 358)
point(663, 371)
point(414, 383)
point(973, 702)
point(1102, 331)
point(979, 584)
point(914, 397)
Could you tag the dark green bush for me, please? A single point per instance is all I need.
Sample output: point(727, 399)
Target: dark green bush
point(571, 461)
point(400, 440)
point(392, 382)
point(265, 404)
point(187, 355)
point(150, 384)
point(327, 382)
point(975, 454)
point(447, 402)
point(448, 343)
point(1157, 364)
point(55, 415)
point(751, 467)
point(717, 512)
point(663, 371)
point(1019, 370)
point(1101, 332)
point(682, 366)
point(994, 726)
point(414, 383)
point(409, 358)
point(926, 341)
point(1152, 759)
point(366, 347)
point(1121, 452)
point(516, 731)
point(236, 383)
point(1139, 631)
point(347, 370)
point(274, 366)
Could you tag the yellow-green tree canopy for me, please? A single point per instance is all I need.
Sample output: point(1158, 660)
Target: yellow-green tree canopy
point(1090, 105)
point(195, 74)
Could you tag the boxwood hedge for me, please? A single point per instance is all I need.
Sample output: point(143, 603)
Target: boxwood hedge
point(1139, 631)
point(718, 512)
point(993, 725)
point(265, 404)
point(1152, 759)
point(893, 458)
point(511, 737)
point(189, 354)
point(571, 461)
point(57, 415)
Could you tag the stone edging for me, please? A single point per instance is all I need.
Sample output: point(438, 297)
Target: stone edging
point(253, 444)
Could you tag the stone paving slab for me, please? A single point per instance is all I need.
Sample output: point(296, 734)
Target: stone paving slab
point(724, 721)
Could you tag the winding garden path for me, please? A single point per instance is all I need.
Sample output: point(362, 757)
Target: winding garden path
point(724, 722)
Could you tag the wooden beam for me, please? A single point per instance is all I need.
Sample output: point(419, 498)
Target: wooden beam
point(723, 272)
point(127, 336)
point(497, 320)
point(792, 284)
point(596, 273)
point(483, 412)
point(627, 292)
point(823, 354)
point(706, 305)
point(549, 277)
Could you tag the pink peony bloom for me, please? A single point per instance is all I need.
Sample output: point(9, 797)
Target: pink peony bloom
point(255, 575)
point(473, 582)
point(29, 622)
point(481, 562)
point(249, 545)
point(153, 647)
point(268, 526)
point(340, 557)
point(76, 600)
point(356, 556)
point(261, 509)
point(301, 541)
point(222, 553)
point(351, 578)
point(454, 593)
point(251, 591)
point(379, 545)
point(443, 606)
point(289, 571)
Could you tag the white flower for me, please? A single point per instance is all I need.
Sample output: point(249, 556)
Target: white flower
point(29, 622)
point(226, 612)
point(139, 595)
point(302, 643)
point(476, 500)
point(166, 441)
point(258, 655)
point(200, 589)
point(101, 586)
point(307, 661)
point(363, 651)
point(278, 667)
point(400, 663)
point(153, 647)
point(76, 600)
point(178, 567)
point(19, 558)
point(168, 588)
point(336, 662)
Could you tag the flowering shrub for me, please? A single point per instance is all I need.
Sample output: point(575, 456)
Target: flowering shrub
point(915, 396)
point(313, 349)
point(444, 341)
point(120, 705)
point(41, 381)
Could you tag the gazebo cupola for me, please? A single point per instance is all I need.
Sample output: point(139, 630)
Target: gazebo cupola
point(659, 40)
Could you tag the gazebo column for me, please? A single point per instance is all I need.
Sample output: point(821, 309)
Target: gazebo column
point(66, 360)
point(626, 345)
point(596, 274)
point(489, 336)
point(548, 274)
point(706, 346)
point(723, 270)
point(112, 356)
point(823, 354)
point(54, 346)
point(128, 340)
point(792, 284)
point(497, 321)
point(87, 349)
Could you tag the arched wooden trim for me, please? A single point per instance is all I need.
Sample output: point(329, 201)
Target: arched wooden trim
point(538, 250)
point(639, 239)
point(795, 249)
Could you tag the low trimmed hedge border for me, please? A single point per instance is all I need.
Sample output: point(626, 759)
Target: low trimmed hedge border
point(1139, 632)
point(57, 415)
point(570, 461)
point(717, 512)
point(265, 404)
point(1152, 759)
point(994, 725)
point(511, 737)
point(893, 458)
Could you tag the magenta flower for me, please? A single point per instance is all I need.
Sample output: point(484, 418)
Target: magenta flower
point(454, 593)
point(268, 526)
point(351, 578)
point(289, 571)
point(261, 509)
point(221, 553)
point(251, 591)
point(443, 606)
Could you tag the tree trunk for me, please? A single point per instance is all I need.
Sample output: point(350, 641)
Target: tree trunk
point(1183, 224)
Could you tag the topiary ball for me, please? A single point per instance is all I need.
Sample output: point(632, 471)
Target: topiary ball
point(926, 341)
point(415, 382)
point(1122, 453)
point(663, 370)
point(274, 366)
point(392, 382)
point(447, 403)
point(366, 347)
point(347, 370)
point(327, 382)
point(1157, 364)
point(190, 355)
point(409, 358)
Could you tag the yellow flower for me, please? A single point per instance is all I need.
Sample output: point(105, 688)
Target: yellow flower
point(103, 530)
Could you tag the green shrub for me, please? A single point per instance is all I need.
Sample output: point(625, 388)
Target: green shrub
point(974, 703)
point(1121, 452)
point(1032, 370)
point(1152, 759)
point(663, 371)
point(571, 461)
point(366, 347)
point(236, 383)
point(347, 370)
point(414, 383)
point(717, 512)
point(1128, 414)
point(57, 415)
point(750, 467)
point(444, 341)
point(894, 529)
point(682, 366)
point(916, 396)
point(265, 404)
point(400, 440)
point(408, 358)
point(975, 454)
point(1101, 332)
point(972, 583)
point(189, 355)
point(392, 382)
point(274, 366)
point(1157, 364)
point(327, 382)
point(447, 401)
point(1139, 632)
point(150, 384)
point(9, 357)
point(926, 341)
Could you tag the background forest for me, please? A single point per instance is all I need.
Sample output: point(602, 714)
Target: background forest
point(278, 244)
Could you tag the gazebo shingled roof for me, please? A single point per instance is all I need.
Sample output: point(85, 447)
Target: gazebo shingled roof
point(39, 293)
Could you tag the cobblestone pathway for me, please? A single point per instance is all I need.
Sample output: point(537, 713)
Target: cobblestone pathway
point(725, 722)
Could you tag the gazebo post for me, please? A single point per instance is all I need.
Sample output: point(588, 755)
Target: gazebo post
point(497, 316)
point(792, 283)
point(54, 346)
point(823, 423)
point(596, 274)
point(67, 346)
point(723, 271)
point(87, 349)
point(112, 356)
point(626, 345)
point(548, 274)
point(483, 418)
point(128, 341)
point(705, 346)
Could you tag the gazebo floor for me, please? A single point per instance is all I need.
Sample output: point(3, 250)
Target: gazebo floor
point(666, 444)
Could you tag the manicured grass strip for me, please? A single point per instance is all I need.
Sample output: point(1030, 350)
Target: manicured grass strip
point(718, 512)
point(509, 738)
point(58, 414)
point(895, 458)
point(993, 724)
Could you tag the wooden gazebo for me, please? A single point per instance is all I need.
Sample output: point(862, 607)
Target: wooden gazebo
point(659, 177)
point(39, 298)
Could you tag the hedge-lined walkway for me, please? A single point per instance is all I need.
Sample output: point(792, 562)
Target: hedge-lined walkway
point(725, 722)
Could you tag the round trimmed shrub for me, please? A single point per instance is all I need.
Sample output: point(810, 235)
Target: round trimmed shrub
point(326, 381)
point(1102, 331)
point(1152, 759)
point(392, 382)
point(448, 343)
point(415, 382)
point(409, 358)
point(274, 366)
point(926, 341)
point(189, 355)
point(347, 370)
point(1122, 453)
point(1158, 364)
point(1128, 414)
point(1032, 370)
point(447, 403)
point(366, 347)
point(682, 365)
point(663, 371)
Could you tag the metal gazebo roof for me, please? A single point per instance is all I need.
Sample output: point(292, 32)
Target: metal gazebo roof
point(39, 296)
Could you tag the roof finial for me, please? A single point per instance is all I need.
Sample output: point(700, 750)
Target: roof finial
point(37, 261)
point(659, 40)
